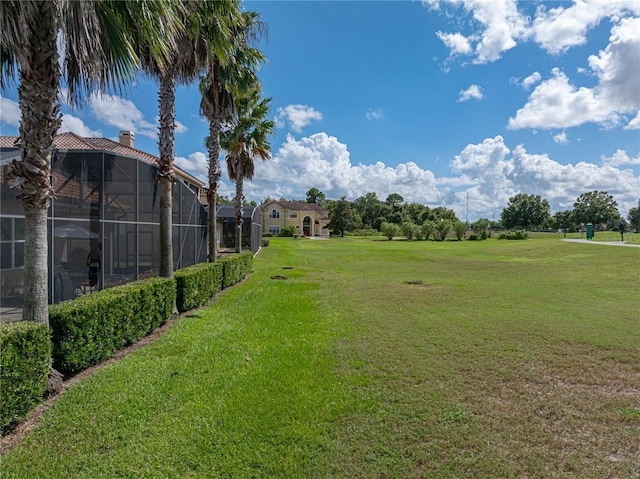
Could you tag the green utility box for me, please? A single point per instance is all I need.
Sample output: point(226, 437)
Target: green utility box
point(589, 231)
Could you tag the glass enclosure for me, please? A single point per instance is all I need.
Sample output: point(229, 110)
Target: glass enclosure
point(103, 223)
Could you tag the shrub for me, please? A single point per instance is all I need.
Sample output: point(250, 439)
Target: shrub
point(25, 357)
point(88, 330)
point(389, 230)
point(514, 235)
point(407, 229)
point(427, 228)
point(265, 242)
point(235, 267)
point(460, 229)
point(288, 231)
point(473, 238)
point(197, 284)
point(442, 229)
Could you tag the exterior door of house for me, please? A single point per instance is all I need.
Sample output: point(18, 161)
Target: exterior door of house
point(306, 226)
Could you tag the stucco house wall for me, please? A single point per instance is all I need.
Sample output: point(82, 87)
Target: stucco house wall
point(309, 219)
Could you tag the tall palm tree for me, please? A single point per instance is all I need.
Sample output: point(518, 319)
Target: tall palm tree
point(98, 53)
point(224, 77)
point(208, 31)
point(245, 141)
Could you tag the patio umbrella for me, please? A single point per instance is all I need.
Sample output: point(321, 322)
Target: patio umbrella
point(74, 232)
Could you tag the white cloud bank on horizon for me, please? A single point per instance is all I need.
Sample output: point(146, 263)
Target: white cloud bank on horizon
point(489, 172)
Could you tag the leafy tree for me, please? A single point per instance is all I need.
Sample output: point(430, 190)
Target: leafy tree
point(369, 208)
point(563, 220)
point(596, 207)
point(634, 217)
point(427, 228)
point(390, 230)
point(315, 196)
point(394, 200)
point(481, 227)
point(436, 214)
point(246, 140)
point(525, 211)
point(460, 228)
point(408, 230)
point(442, 229)
point(99, 51)
point(341, 216)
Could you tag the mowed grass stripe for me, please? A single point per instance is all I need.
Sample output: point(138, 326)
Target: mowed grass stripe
point(375, 359)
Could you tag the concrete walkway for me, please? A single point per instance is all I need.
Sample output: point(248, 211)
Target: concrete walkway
point(608, 243)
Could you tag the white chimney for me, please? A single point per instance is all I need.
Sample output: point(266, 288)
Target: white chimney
point(127, 138)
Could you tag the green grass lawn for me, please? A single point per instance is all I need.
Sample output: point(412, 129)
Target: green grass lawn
point(375, 359)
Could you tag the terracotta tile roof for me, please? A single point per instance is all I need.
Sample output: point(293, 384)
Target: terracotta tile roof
point(297, 206)
point(71, 141)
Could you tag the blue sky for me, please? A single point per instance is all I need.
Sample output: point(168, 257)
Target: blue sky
point(459, 103)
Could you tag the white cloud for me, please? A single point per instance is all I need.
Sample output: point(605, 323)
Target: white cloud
point(558, 29)
point(9, 112)
point(621, 158)
point(473, 92)
point(77, 126)
point(502, 25)
point(375, 114)
point(323, 162)
point(556, 103)
point(298, 116)
point(561, 138)
point(532, 79)
point(456, 42)
point(121, 113)
point(488, 172)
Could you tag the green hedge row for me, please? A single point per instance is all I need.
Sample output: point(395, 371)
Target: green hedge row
point(88, 330)
point(25, 357)
point(235, 268)
point(197, 284)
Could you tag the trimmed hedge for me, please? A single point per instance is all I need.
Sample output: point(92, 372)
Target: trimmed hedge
point(514, 235)
point(25, 358)
point(235, 268)
point(197, 284)
point(88, 330)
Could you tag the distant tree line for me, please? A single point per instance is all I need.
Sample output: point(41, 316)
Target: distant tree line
point(393, 216)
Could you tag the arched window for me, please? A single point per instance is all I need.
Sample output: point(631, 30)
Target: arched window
point(274, 214)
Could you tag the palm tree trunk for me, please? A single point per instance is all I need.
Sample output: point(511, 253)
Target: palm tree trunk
point(239, 187)
point(215, 173)
point(165, 175)
point(38, 91)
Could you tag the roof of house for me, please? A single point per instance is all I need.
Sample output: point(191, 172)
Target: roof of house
point(71, 141)
point(296, 206)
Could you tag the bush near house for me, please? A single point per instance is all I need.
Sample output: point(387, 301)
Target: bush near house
point(235, 268)
point(88, 330)
point(197, 284)
point(25, 356)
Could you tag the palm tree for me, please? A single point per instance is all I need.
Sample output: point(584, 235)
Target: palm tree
point(208, 31)
point(106, 57)
point(224, 77)
point(245, 141)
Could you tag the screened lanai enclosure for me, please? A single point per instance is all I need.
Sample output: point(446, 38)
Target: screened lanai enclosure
point(103, 224)
point(251, 227)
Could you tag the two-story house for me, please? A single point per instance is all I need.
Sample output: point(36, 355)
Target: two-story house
point(309, 219)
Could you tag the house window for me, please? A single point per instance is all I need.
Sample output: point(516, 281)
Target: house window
point(293, 214)
point(274, 230)
point(274, 214)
